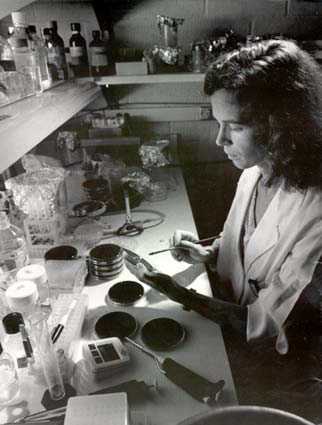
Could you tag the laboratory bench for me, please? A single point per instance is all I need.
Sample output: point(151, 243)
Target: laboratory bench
point(202, 350)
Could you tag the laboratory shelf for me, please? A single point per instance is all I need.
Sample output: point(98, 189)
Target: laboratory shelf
point(180, 77)
point(25, 123)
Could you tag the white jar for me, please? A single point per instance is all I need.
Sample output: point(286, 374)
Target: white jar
point(37, 274)
point(23, 296)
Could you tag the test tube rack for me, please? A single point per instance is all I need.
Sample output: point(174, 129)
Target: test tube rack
point(43, 234)
point(71, 333)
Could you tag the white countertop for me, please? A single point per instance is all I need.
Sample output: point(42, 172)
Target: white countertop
point(203, 349)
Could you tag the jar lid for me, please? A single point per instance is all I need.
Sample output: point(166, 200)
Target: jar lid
point(22, 294)
point(11, 322)
point(34, 272)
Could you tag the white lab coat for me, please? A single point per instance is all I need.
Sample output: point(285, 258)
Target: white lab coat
point(280, 255)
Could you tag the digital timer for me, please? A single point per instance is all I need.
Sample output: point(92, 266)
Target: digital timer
point(105, 355)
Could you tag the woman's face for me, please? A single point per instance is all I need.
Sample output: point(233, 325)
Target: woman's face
point(235, 137)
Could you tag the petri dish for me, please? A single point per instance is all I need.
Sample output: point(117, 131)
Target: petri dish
point(162, 334)
point(117, 323)
point(105, 253)
point(125, 293)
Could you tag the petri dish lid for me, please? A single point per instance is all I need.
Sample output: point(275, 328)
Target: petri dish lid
point(105, 253)
point(118, 324)
point(125, 293)
point(61, 252)
point(162, 334)
point(90, 208)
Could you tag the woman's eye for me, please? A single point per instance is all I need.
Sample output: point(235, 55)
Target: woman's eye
point(237, 128)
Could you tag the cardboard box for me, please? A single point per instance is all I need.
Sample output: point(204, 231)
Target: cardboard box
point(131, 68)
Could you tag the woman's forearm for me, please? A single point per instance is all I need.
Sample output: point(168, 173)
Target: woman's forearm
point(221, 312)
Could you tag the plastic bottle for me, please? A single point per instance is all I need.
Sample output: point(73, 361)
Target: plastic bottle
point(40, 54)
point(59, 46)
point(13, 248)
point(98, 55)
point(78, 52)
point(25, 60)
point(9, 384)
point(12, 339)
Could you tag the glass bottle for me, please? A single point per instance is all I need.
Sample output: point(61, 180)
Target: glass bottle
point(40, 53)
point(13, 248)
point(98, 55)
point(12, 339)
point(9, 86)
point(9, 383)
point(25, 60)
point(51, 55)
point(6, 56)
point(78, 52)
point(59, 46)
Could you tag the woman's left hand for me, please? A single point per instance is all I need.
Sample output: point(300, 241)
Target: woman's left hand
point(159, 281)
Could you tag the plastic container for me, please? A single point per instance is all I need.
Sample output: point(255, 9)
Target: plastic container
point(9, 383)
point(13, 249)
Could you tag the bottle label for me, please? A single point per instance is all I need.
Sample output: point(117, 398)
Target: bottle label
point(98, 56)
point(77, 54)
point(17, 43)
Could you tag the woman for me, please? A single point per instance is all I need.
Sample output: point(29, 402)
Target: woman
point(267, 100)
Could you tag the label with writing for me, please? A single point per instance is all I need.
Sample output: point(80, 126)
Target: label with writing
point(98, 56)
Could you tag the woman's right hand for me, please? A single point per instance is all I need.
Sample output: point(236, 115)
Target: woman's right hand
point(187, 249)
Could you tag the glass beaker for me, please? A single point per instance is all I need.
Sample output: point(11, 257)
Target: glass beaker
point(46, 355)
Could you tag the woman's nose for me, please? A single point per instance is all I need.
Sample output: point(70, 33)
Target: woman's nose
point(223, 136)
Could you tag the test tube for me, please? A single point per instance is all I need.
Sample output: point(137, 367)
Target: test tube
point(47, 356)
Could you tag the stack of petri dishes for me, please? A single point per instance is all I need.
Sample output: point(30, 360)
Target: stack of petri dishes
point(106, 261)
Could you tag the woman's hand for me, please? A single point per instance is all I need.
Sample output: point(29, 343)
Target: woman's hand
point(160, 282)
point(187, 249)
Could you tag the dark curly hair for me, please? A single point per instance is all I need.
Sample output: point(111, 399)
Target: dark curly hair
point(279, 89)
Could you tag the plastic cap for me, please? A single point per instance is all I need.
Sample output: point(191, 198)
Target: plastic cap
point(11, 322)
point(53, 25)
point(34, 272)
point(19, 18)
point(32, 29)
point(4, 221)
point(75, 26)
point(22, 295)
